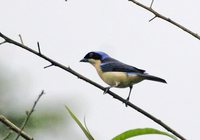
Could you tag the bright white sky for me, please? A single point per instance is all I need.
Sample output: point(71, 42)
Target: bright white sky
point(68, 30)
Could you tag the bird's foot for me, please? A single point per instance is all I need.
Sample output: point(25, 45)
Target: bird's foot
point(126, 102)
point(106, 90)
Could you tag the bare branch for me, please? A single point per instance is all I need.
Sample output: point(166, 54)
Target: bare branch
point(13, 127)
point(29, 114)
point(68, 69)
point(166, 19)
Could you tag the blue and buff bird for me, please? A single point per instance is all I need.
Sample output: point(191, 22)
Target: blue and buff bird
point(117, 74)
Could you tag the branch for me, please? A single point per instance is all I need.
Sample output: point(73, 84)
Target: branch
point(151, 4)
point(7, 136)
point(2, 42)
point(165, 18)
point(13, 127)
point(20, 37)
point(68, 69)
point(29, 114)
point(38, 44)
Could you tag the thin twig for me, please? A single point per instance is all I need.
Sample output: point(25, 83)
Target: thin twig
point(152, 18)
point(29, 114)
point(2, 42)
point(151, 4)
point(7, 136)
point(13, 127)
point(20, 37)
point(68, 69)
point(157, 14)
point(38, 44)
point(48, 66)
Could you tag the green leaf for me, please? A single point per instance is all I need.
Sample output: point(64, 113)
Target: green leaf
point(86, 132)
point(141, 131)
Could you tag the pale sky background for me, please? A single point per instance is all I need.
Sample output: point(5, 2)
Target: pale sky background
point(68, 30)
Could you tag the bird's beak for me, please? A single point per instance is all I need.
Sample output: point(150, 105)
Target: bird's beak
point(84, 60)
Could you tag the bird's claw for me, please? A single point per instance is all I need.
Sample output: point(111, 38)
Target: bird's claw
point(106, 90)
point(126, 102)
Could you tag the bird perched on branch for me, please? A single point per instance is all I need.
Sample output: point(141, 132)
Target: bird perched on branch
point(116, 73)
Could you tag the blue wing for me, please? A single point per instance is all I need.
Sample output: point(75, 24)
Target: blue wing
point(111, 64)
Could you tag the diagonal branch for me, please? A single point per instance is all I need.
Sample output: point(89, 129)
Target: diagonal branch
point(20, 37)
point(165, 18)
point(13, 127)
point(68, 69)
point(29, 114)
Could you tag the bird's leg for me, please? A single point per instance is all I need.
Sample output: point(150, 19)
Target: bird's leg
point(107, 89)
point(128, 95)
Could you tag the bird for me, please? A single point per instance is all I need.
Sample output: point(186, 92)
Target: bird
point(117, 74)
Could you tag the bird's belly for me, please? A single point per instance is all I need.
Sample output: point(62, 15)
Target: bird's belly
point(120, 79)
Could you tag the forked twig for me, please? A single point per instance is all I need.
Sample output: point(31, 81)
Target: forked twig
point(29, 114)
point(157, 14)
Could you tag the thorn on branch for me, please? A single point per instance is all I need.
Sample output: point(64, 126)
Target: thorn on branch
point(38, 44)
point(153, 18)
point(21, 40)
point(151, 4)
point(48, 66)
point(1, 43)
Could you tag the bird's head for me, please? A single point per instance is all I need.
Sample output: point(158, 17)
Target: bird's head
point(94, 57)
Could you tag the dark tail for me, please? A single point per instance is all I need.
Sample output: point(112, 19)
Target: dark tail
point(153, 78)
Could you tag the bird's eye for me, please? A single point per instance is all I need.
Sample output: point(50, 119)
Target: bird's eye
point(91, 55)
